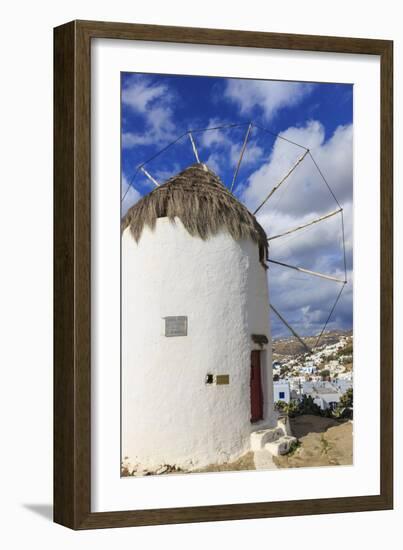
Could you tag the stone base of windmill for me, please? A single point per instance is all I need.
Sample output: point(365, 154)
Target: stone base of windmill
point(269, 442)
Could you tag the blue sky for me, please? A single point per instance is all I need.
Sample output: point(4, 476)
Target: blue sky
point(157, 109)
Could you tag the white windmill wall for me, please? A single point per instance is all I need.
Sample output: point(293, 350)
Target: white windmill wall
point(170, 415)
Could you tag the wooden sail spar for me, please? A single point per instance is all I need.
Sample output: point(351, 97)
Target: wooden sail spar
point(288, 174)
point(312, 222)
point(309, 271)
point(241, 155)
point(196, 154)
point(155, 182)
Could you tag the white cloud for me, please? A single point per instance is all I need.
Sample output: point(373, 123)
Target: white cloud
point(154, 103)
point(306, 301)
point(214, 162)
point(252, 153)
point(141, 93)
point(131, 139)
point(212, 138)
point(269, 96)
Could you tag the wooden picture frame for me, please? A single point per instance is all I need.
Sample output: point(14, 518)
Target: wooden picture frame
point(72, 272)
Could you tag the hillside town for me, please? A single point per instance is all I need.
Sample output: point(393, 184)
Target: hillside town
point(325, 374)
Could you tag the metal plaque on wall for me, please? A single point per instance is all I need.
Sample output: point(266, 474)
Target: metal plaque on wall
point(176, 326)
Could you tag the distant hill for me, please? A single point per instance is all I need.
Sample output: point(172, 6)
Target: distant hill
point(291, 346)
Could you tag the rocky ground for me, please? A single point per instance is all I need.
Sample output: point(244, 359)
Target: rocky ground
point(245, 462)
point(322, 442)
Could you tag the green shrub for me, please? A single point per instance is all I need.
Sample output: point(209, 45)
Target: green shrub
point(308, 406)
point(292, 409)
point(293, 447)
point(280, 406)
point(346, 400)
point(297, 408)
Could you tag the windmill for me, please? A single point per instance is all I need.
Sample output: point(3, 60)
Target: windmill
point(195, 312)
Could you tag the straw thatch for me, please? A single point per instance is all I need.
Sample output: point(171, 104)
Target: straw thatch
point(204, 205)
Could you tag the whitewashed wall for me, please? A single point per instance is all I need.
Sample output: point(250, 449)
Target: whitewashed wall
point(169, 414)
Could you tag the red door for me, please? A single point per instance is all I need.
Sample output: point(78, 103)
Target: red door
point(256, 392)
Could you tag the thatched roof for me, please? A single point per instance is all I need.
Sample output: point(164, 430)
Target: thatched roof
point(201, 201)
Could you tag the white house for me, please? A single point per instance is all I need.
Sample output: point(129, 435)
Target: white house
point(196, 344)
point(325, 395)
point(308, 369)
point(282, 391)
point(343, 384)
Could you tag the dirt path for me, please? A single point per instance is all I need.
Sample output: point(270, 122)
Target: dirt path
point(323, 442)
